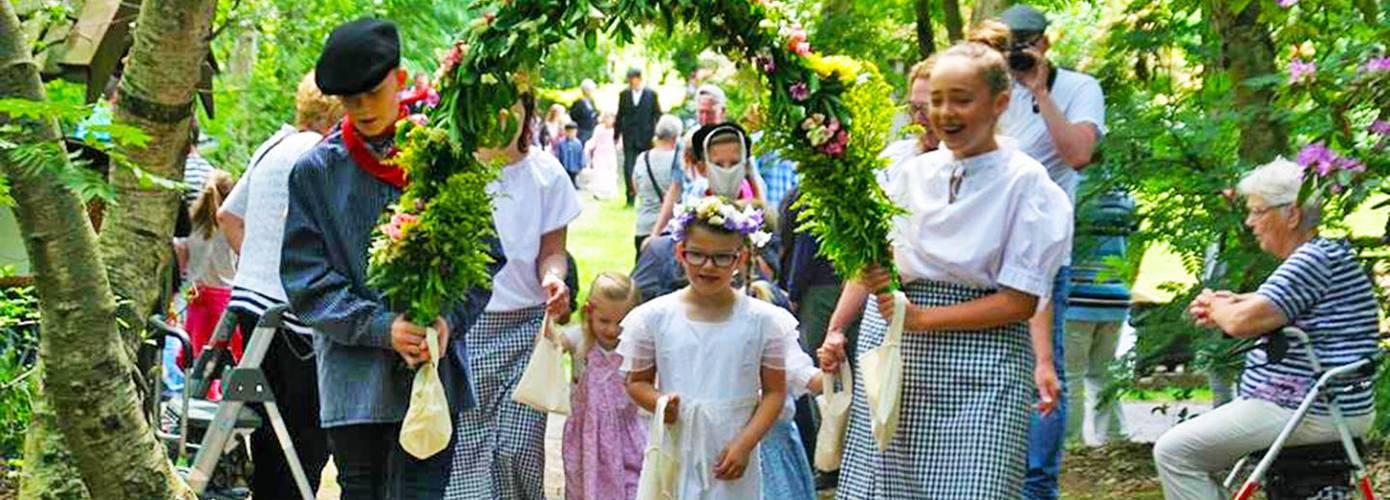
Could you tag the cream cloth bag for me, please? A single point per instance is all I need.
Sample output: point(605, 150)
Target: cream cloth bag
point(882, 371)
point(834, 418)
point(428, 425)
point(544, 385)
point(661, 463)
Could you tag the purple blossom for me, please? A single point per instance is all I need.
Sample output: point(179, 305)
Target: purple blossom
point(1377, 64)
point(767, 63)
point(1287, 3)
point(1301, 71)
point(1349, 164)
point(1314, 153)
point(800, 91)
point(1381, 127)
point(1335, 188)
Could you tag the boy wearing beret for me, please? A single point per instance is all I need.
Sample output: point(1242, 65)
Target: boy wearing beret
point(366, 352)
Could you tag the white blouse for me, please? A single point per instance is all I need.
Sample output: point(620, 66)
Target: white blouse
point(1008, 226)
point(530, 199)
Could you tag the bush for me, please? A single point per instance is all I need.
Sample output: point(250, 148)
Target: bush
point(19, 320)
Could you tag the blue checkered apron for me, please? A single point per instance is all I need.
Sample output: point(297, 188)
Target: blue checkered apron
point(963, 430)
point(499, 452)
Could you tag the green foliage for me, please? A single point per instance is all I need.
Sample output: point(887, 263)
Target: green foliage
point(19, 319)
point(50, 157)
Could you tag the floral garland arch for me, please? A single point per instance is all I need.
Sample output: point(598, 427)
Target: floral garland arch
point(830, 114)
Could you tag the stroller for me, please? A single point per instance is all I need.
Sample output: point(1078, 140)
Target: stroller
point(1315, 471)
point(221, 464)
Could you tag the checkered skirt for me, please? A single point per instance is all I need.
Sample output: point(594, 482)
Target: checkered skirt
point(499, 450)
point(963, 430)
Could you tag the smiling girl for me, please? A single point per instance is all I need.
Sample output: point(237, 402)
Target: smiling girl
point(985, 232)
point(719, 354)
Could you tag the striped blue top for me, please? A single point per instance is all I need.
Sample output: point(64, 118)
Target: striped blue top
point(1323, 291)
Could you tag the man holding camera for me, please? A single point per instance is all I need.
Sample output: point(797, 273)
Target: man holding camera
point(1058, 117)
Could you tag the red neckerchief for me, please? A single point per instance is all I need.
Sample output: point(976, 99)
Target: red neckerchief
point(366, 160)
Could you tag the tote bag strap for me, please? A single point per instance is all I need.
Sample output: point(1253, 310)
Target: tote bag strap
point(827, 381)
point(656, 437)
point(895, 328)
point(432, 344)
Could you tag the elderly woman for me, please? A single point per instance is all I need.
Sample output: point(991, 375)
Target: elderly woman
point(1319, 288)
point(657, 170)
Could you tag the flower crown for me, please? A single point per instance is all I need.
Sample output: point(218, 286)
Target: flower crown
point(717, 212)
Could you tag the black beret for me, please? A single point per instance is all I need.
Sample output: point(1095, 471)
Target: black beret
point(707, 132)
point(357, 57)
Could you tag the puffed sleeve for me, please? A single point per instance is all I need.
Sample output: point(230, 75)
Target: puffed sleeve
point(1039, 238)
point(637, 343)
point(777, 326)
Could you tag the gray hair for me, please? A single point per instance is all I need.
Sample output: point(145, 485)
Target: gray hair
point(1278, 183)
point(588, 86)
point(668, 128)
point(714, 92)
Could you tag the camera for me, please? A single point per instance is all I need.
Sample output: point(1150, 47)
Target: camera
point(1018, 56)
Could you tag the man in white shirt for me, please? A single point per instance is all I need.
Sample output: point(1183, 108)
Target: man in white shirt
point(1058, 117)
point(261, 197)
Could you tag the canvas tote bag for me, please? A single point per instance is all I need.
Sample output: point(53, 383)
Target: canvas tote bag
point(882, 371)
point(834, 418)
point(428, 425)
point(544, 385)
point(661, 462)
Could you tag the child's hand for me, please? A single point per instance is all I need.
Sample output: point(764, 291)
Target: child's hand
point(832, 351)
point(673, 409)
point(1049, 389)
point(732, 461)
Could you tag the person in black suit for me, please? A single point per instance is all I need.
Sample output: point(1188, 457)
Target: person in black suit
point(583, 113)
point(636, 121)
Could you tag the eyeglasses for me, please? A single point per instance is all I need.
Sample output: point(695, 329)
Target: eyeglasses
point(697, 258)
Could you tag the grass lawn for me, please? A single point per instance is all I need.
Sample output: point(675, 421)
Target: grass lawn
point(601, 239)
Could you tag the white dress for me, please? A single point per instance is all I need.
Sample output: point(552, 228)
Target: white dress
point(715, 369)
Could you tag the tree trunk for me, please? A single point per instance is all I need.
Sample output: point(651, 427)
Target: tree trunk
point(955, 28)
point(49, 471)
point(156, 95)
point(985, 9)
point(1246, 52)
point(926, 41)
point(86, 369)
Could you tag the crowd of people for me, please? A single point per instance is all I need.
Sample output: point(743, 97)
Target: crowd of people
point(729, 316)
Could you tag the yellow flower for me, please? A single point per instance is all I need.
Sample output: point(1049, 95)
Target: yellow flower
point(844, 67)
point(1305, 50)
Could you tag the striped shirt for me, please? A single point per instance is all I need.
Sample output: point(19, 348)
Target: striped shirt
point(195, 174)
point(1323, 291)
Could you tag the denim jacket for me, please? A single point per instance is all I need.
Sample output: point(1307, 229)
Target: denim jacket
point(333, 208)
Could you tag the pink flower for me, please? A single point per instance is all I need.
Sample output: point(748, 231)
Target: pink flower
point(836, 146)
point(1335, 188)
point(404, 220)
point(392, 231)
point(1287, 3)
point(1377, 64)
point(799, 91)
point(419, 119)
point(1301, 71)
point(399, 224)
point(801, 48)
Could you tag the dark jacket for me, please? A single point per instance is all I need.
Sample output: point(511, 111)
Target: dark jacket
point(636, 122)
point(585, 117)
point(333, 208)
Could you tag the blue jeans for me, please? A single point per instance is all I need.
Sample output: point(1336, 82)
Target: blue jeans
point(1048, 432)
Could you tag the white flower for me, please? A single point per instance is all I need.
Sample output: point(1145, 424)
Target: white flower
point(760, 238)
point(717, 220)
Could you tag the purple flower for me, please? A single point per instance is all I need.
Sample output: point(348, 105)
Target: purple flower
point(1301, 71)
point(1349, 164)
point(1381, 127)
point(767, 63)
point(1287, 3)
point(1377, 64)
point(1335, 188)
point(800, 91)
point(1314, 153)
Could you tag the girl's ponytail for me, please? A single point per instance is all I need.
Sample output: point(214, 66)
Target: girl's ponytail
point(204, 212)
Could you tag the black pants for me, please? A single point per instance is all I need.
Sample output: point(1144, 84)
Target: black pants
point(630, 152)
point(372, 465)
point(294, 381)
